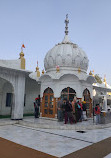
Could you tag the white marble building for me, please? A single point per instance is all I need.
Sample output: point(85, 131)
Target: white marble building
point(17, 90)
point(65, 76)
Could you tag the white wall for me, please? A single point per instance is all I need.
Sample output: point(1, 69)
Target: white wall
point(17, 80)
point(65, 81)
point(32, 90)
point(6, 88)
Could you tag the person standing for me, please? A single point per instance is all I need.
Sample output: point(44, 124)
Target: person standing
point(73, 108)
point(84, 111)
point(36, 107)
point(97, 112)
point(77, 111)
point(81, 111)
point(68, 112)
point(60, 110)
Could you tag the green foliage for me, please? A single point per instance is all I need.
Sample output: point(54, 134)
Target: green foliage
point(5, 116)
point(29, 114)
point(98, 78)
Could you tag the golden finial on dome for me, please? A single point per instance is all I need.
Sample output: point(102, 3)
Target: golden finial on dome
point(105, 80)
point(37, 70)
point(43, 71)
point(57, 68)
point(90, 73)
point(79, 70)
point(93, 73)
point(22, 57)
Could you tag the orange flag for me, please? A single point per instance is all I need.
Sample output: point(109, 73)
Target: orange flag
point(23, 46)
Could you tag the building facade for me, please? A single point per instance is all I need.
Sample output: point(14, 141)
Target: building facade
point(65, 76)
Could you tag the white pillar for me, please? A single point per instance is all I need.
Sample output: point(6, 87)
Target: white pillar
point(18, 98)
point(105, 103)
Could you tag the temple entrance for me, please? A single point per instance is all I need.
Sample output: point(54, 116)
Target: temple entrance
point(6, 98)
point(88, 100)
point(48, 103)
point(68, 93)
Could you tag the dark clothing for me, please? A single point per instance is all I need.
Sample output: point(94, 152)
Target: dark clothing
point(77, 111)
point(84, 107)
point(68, 112)
point(36, 108)
point(68, 115)
point(36, 112)
point(68, 107)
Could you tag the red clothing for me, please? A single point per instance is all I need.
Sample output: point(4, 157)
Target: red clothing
point(97, 110)
point(81, 106)
point(73, 106)
point(36, 98)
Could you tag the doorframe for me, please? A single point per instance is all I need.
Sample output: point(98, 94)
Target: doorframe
point(89, 102)
point(43, 103)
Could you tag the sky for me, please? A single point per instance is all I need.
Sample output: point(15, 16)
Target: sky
point(39, 24)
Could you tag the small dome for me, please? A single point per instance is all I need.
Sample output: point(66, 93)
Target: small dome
point(66, 54)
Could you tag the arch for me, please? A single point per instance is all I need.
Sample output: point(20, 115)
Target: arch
point(48, 90)
point(45, 77)
point(68, 93)
point(6, 97)
point(17, 80)
point(6, 77)
point(88, 100)
point(86, 92)
point(69, 76)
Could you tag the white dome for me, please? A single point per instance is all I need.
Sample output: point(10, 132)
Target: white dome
point(66, 55)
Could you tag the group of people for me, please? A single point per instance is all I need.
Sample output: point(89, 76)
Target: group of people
point(71, 110)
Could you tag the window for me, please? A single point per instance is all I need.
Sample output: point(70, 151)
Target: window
point(8, 99)
point(68, 93)
point(48, 90)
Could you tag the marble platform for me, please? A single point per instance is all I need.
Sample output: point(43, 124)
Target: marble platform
point(8, 121)
point(108, 156)
point(52, 123)
point(57, 142)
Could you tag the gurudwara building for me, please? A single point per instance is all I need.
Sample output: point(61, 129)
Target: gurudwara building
point(65, 76)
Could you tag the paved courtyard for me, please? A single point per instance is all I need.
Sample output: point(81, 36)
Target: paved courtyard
point(57, 142)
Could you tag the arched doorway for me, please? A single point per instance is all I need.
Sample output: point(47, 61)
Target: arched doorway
point(48, 103)
point(68, 93)
point(88, 100)
point(6, 98)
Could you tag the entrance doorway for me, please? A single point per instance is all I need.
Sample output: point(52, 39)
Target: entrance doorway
point(88, 100)
point(68, 93)
point(6, 98)
point(48, 103)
